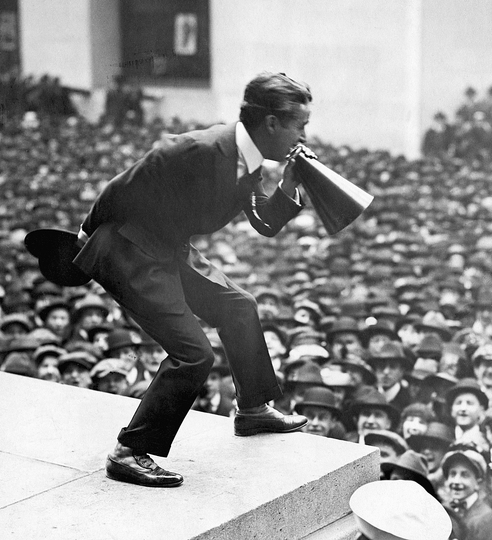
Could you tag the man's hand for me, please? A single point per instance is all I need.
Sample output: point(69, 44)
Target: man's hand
point(290, 180)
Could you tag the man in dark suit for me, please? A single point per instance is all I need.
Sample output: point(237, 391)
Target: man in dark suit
point(136, 245)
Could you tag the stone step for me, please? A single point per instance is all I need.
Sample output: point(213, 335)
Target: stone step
point(53, 444)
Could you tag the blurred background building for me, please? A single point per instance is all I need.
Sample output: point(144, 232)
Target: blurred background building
point(378, 69)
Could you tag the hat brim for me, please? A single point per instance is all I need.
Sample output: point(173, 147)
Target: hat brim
point(387, 467)
point(55, 250)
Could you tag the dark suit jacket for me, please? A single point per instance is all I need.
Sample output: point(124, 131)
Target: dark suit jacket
point(187, 186)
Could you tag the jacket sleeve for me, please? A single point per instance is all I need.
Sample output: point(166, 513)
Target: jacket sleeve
point(269, 214)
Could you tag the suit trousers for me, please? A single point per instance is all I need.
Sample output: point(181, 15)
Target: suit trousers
point(230, 309)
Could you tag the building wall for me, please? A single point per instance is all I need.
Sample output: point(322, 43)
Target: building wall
point(56, 39)
point(378, 69)
point(457, 42)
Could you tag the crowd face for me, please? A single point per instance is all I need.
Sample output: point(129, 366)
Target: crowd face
point(275, 346)
point(483, 373)
point(433, 453)
point(76, 375)
point(461, 481)
point(373, 418)
point(321, 420)
point(48, 369)
point(345, 343)
point(376, 343)
point(409, 336)
point(58, 320)
point(91, 317)
point(467, 411)
point(388, 373)
point(112, 383)
point(151, 357)
point(449, 363)
point(413, 425)
point(15, 330)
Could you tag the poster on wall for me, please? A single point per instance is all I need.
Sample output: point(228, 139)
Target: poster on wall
point(168, 41)
point(9, 37)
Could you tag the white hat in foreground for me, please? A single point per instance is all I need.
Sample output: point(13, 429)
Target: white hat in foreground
point(399, 510)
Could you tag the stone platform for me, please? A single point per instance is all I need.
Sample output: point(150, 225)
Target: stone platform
point(53, 444)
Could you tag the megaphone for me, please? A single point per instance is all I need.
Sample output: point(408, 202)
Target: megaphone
point(337, 201)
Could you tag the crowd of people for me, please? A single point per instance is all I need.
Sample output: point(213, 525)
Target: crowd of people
point(380, 335)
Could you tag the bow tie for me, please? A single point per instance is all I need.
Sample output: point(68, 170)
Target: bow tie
point(458, 506)
point(250, 178)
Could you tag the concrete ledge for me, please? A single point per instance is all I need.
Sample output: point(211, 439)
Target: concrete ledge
point(53, 447)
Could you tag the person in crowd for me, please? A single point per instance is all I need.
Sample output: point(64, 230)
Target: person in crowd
point(319, 407)
point(89, 311)
point(433, 445)
point(19, 363)
point(409, 466)
point(219, 177)
point(213, 397)
point(55, 316)
point(109, 375)
point(482, 367)
point(390, 366)
point(415, 419)
point(46, 358)
point(75, 368)
point(391, 445)
point(15, 325)
point(371, 411)
point(467, 405)
point(374, 336)
point(344, 339)
point(122, 345)
point(465, 472)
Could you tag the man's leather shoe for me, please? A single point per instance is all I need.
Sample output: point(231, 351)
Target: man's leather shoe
point(268, 420)
point(126, 466)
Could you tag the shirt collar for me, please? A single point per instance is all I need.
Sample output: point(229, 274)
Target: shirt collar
point(392, 392)
point(247, 150)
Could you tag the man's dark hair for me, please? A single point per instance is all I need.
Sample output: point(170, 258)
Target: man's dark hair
point(272, 93)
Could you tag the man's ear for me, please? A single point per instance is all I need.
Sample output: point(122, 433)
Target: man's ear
point(271, 123)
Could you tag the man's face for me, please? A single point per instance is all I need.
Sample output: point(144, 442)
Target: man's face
point(387, 451)
point(371, 418)
point(320, 419)
point(449, 363)
point(91, 317)
point(461, 481)
point(213, 383)
point(483, 372)
point(344, 343)
point(48, 369)
point(433, 452)
point(275, 346)
point(288, 133)
point(388, 373)
point(76, 375)
point(376, 342)
point(112, 383)
point(467, 410)
point(57, 320)
point(151, 357)
point(128, 354)
point(409, 335)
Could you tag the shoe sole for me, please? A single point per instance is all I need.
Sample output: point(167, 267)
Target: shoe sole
point(257, 430)
point(123, 476)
